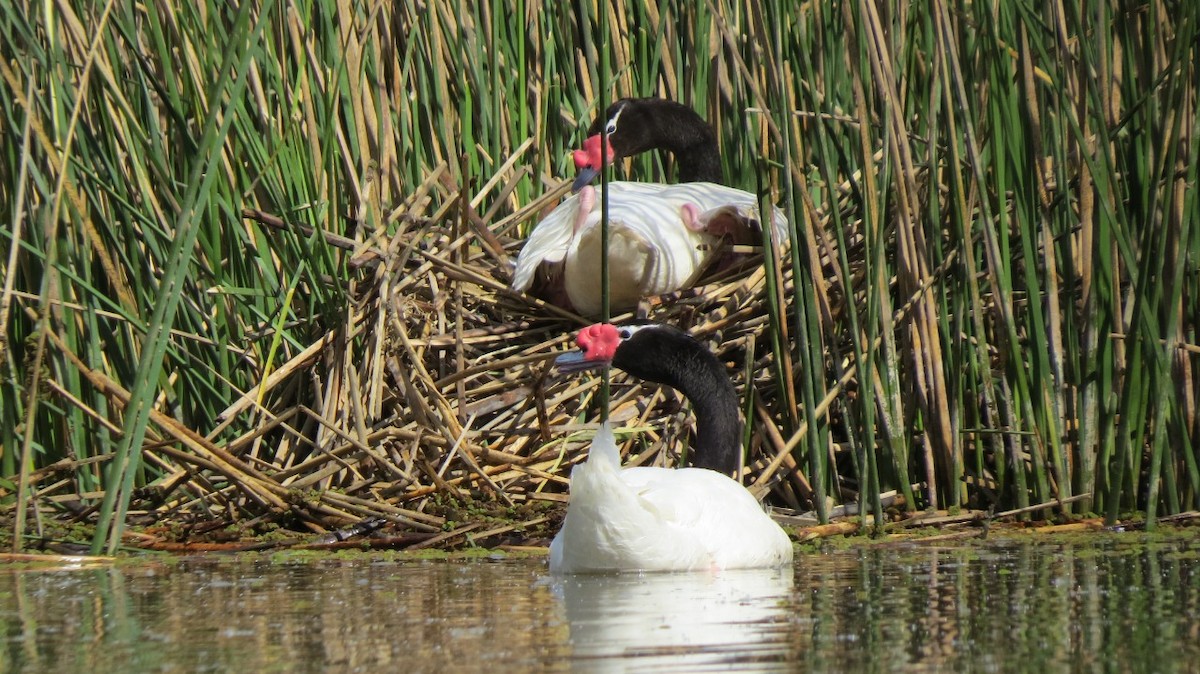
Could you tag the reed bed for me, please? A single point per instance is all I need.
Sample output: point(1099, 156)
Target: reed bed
point(258, 260)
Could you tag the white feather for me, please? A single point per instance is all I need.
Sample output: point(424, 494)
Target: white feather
point(661, 519)
point(651, 249)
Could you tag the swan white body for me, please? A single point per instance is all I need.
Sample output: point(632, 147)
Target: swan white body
point(658, 241)
point(661, 519)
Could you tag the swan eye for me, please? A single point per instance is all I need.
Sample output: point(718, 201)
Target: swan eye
point(625, 333)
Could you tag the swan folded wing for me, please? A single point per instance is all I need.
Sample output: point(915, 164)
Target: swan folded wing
point(708, 197)
point(547, 243)
point(711, 196)
point(715, 511)
point(610, 527)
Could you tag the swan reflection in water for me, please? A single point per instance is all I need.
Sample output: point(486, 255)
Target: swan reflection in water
point(734, 620)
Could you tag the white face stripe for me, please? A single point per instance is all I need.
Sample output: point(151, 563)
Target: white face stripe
point(627, 331)
point(611, 126)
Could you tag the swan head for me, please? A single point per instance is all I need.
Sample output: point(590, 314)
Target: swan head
point(588, 162)
point(598, 346)
point(651, 351)
point(667, 355)
point(635, 125)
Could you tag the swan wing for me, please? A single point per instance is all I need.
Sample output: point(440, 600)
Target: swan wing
point(660, 519)
point(714, 510)
point(643, 206)
point(548, 242)
point(611, 528)
point(711, 196)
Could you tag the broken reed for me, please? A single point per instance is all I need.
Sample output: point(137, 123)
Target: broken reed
point(990, 297)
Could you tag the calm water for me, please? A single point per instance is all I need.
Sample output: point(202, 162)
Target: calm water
point(1116, 603)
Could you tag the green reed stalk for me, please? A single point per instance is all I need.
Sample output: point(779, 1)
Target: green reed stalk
point(242, 47)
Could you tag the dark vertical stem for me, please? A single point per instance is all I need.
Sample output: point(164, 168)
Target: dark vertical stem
point(602, 89)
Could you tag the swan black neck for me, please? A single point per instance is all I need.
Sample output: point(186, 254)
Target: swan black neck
point(665, 355)
point(644, 124)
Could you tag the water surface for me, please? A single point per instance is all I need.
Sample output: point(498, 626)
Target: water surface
point(1116, 603)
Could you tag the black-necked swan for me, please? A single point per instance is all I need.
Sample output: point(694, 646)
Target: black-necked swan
point(661, 237)
point(664, 519)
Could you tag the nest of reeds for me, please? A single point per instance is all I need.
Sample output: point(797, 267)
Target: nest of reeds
point(432, 406)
